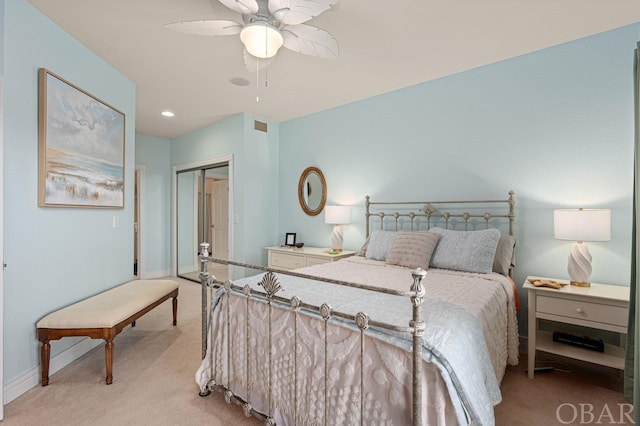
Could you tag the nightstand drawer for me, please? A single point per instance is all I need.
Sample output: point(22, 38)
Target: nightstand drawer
point(586, 311)
point(316, 261)
point(287, 261)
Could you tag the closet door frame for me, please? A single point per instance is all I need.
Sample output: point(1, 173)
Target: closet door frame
point(206, 164)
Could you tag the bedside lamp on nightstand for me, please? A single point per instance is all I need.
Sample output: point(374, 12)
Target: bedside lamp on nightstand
point(336, 216)
point(581, 225)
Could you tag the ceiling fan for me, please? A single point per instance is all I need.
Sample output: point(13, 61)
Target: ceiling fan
point(267, 25)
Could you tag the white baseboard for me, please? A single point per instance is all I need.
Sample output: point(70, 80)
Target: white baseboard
point(31, 378)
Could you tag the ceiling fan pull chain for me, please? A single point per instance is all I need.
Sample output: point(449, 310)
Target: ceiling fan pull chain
point(258, 66)
point(257, 80)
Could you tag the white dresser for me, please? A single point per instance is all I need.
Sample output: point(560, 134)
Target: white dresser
point(601, 306)
point(293, 258)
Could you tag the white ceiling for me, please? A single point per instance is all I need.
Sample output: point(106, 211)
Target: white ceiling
point(384, 45)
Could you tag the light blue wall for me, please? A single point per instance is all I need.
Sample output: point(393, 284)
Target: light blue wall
point(555, 126)
point(261, 205)
point(154, 154)
point(1, 36)
point(54, 256)
point(255, 178)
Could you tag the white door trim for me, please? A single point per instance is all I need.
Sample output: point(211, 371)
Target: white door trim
point(141, 171)
point(194, 219)
point(1, 247)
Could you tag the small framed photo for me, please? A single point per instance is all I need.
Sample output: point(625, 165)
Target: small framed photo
point(290, 239)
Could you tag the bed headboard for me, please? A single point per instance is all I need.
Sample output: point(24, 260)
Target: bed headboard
point(458, 215)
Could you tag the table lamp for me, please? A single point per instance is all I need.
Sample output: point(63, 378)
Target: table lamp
point(581, 225)
point(336, 216)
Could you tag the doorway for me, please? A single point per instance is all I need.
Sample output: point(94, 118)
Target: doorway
point(1, 246)
point(138, 192)
point(202, 215)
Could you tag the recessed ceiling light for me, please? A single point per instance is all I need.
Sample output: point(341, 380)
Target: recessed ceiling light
point(239, 81)
point(167, 113)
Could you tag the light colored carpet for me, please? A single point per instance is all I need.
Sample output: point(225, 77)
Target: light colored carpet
point(555, 398)
point(153, 379)
point(153, 383)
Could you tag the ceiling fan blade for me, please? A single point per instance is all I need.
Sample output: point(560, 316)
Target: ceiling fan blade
point(310, 41)
point(206, 28)
point(246, 7)
point(253, 64)
point(293, 12)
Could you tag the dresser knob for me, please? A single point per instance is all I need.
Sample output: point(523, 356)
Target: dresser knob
point(579, 310)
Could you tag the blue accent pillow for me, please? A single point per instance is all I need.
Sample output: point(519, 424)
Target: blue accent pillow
point(380, 243)
point(466, 251)
point(505, 255)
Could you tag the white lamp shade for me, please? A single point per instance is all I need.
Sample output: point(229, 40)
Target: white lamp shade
point(337, 215)
point(582, 224)
point(261, 39)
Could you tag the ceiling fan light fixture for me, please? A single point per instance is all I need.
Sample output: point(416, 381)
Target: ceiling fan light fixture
point(261, 39)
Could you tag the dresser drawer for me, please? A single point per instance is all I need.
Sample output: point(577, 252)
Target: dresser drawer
point(316, 261)
point(287, 261)
point(586, 311)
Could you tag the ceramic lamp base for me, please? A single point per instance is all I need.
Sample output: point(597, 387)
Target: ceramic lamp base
point(336, 239)
point(579, 265)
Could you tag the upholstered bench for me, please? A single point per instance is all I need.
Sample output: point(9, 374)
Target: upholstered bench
point(103, 316)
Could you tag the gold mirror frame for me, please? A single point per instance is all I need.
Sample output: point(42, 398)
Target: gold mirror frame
point(306, 190)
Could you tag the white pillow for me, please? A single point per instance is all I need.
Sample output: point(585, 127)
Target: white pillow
point(466, 251)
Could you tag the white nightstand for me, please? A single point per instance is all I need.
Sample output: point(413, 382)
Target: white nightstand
point(293, 258)
point(601, 306)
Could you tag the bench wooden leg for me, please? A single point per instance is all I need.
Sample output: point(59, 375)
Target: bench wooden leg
point(108, 358)
point(45, 354)
point(175, 310)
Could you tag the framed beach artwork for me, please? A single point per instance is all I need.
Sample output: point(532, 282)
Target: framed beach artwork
point(81, 147)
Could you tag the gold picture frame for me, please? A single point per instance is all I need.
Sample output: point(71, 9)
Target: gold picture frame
point(81, 142)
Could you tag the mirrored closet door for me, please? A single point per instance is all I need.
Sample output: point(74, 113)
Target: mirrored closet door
point(202, 216)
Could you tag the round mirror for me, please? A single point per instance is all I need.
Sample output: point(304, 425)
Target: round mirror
point(312, 191)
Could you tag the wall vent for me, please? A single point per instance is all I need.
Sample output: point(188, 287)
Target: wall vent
point(260, 125)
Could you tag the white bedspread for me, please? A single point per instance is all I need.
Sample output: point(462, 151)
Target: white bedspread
point(489, 297)
point(471, 334)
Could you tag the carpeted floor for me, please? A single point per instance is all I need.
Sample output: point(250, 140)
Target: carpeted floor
point(153, 383)
point(153, 379)
point(571, 392)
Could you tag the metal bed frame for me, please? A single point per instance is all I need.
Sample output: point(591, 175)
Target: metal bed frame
point(431, 211)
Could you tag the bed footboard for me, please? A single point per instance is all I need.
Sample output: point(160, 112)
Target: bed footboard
point(236, 351)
